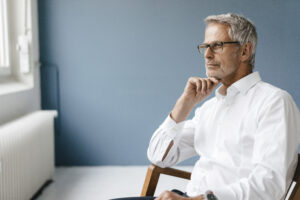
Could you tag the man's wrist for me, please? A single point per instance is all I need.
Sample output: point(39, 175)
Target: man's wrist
point(196, 198)
point(182, 109)
point(206, 196)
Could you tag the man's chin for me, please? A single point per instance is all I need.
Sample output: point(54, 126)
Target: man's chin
point(213, 75)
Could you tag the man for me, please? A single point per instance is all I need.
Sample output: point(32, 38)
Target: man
point(247, 136)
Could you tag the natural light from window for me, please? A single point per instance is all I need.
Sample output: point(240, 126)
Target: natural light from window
point(17, 58)
point(4, 47)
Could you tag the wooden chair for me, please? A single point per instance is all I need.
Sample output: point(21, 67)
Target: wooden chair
point(154, 172)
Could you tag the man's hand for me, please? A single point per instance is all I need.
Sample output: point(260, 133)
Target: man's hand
point(196, 90)
point(167, 195)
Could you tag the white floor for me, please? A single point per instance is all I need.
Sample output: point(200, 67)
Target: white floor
point(105, 182)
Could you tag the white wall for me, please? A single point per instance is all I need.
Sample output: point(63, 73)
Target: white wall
point(14, 105)
point(17, 104)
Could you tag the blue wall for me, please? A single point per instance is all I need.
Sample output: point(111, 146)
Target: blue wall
point(115, 68)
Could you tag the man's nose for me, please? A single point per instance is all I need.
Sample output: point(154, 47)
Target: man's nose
point(208, 54)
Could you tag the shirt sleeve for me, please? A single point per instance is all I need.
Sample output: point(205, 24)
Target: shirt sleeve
point(182, 134)
point(274, 156)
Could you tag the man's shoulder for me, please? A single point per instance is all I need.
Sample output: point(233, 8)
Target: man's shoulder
point(270, 93)
point(268, 90)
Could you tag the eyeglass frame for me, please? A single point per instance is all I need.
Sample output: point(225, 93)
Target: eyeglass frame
point(206, 45)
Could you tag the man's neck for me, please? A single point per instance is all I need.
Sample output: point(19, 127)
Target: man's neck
point(227, 82)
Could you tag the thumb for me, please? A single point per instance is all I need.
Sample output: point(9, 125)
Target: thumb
point(215, 80)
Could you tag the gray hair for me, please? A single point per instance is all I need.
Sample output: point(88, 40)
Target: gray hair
point(240, 29)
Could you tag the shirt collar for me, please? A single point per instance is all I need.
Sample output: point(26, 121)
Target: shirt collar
point(242, 85)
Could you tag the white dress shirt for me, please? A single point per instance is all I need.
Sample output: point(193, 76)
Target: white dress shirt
point(247, 142)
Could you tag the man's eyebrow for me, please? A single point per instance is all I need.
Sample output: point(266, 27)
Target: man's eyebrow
point(211, 42)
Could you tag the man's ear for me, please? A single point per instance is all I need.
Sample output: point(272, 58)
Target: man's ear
point(246, 51)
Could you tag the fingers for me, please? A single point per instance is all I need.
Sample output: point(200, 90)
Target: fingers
point(201, 197)
point(198, 84)
point(215, 82)
point(204, 85)
point(168, 195)
point(197, 89)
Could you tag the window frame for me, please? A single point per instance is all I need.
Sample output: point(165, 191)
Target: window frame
point(14, 78)
point(4, 40)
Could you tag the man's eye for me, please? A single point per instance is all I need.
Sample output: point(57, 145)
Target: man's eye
point(217, 45)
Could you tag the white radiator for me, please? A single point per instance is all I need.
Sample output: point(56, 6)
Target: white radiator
point(26, 155)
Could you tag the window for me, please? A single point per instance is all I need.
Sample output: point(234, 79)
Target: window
point(4, 47)
point(21, 41)
point(18, 48)
point(24, 38)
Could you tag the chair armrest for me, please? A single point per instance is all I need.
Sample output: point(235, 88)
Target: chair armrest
point(153, 174)
point(296, 190)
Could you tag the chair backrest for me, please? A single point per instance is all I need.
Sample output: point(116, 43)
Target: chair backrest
point(295, 195)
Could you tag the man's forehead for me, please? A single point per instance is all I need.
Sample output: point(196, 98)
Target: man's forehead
point(216, 32)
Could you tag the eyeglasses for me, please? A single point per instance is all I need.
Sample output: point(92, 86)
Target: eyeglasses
point(215, 47)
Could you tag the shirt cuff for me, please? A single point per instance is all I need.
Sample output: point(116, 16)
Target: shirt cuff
point(224, 193)
point(170, 124)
